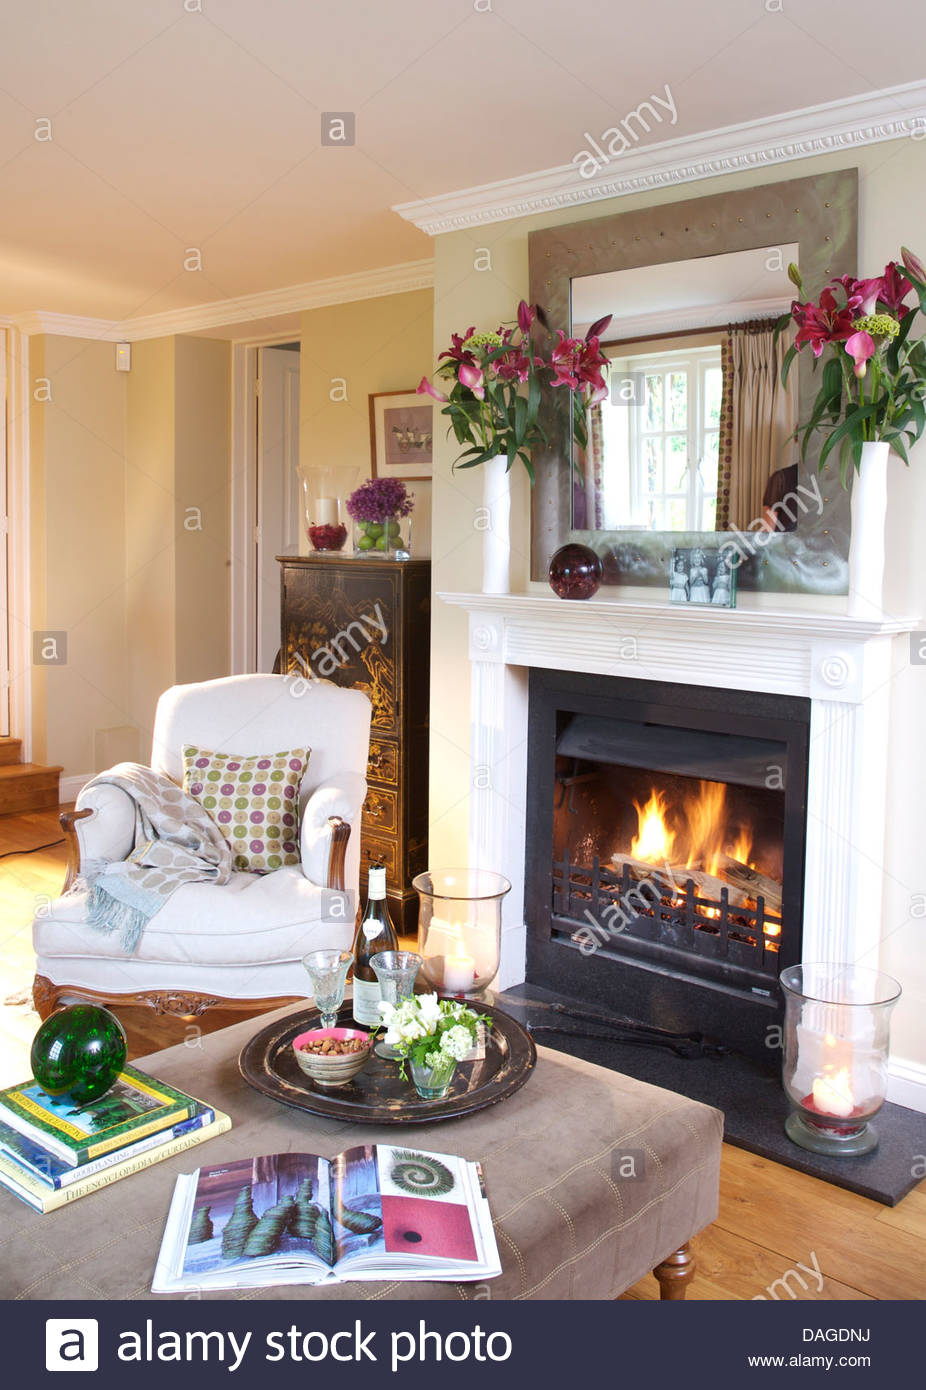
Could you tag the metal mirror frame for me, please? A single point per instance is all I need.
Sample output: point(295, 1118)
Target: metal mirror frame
point(821, 215)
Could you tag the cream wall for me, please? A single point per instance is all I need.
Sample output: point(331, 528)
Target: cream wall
point(892, 208)
point(150, 595)
point(117, 463)
point(78, 544)
point(371, 345)
point(202, 420)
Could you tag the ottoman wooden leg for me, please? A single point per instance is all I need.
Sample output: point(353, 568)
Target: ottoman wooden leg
point(676, 1273)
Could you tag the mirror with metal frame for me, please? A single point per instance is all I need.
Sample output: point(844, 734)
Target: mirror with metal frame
point(694, 441)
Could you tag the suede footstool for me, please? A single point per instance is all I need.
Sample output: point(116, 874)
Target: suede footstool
point(593, 1180)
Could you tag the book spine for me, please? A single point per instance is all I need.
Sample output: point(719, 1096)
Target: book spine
point(45, 1201)
point(142, 1146)
point(90, 1150)
point(50, 1170)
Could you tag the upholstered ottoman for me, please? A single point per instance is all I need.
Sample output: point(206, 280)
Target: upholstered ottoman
point(593, 1179)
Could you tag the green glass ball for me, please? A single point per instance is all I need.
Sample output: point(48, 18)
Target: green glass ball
point(78, 1052)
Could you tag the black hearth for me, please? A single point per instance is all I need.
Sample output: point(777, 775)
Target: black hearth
point(665, 851)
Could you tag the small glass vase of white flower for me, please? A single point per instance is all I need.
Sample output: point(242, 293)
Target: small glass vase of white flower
point(431, 1036)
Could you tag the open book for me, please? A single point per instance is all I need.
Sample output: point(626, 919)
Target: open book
point(374, 1212)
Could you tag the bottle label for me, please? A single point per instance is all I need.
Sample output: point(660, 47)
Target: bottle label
point(366, 1003)
point(373, 929)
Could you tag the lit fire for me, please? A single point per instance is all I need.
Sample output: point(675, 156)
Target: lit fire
point(705, 814)
point(655, 840)
point(695, 836)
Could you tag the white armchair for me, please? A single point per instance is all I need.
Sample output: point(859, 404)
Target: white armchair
point(239, 944)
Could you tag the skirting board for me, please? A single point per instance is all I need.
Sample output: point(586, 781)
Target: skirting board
point(906, 1083)
point(69, 787)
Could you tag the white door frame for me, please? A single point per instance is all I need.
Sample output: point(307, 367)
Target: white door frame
point(245, 358)
point(18, 538)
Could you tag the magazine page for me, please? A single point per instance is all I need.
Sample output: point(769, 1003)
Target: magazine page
point(254, 1212)
point(426, 1206)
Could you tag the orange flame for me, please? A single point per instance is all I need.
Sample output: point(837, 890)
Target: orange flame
point(654, 841)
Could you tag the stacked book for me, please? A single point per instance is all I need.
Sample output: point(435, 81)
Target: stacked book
point(53, 1151)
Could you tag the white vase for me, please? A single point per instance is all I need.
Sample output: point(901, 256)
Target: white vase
point(496, 522)
point(866, 543)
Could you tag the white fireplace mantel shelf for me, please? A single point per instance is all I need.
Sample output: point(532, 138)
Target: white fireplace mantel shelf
point(842, 665)
point(789, 652)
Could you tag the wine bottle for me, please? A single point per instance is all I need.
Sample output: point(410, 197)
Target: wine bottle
point(375, 933)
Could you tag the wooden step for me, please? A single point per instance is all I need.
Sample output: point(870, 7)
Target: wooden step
point(10, 751)
point(28, 787)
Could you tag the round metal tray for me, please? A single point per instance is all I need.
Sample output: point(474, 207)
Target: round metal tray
point(377, 1094)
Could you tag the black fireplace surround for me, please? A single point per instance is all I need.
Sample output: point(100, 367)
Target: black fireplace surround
point(666, 952)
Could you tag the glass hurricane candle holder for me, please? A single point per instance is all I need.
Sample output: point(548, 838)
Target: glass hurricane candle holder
point(836, 1046)
point(460, 928)
point(324, 527)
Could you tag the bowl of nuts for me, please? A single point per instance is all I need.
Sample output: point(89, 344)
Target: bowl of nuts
point(332, 1056)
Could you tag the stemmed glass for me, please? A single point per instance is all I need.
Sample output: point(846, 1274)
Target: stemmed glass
point(327, 971)
point(396, 971)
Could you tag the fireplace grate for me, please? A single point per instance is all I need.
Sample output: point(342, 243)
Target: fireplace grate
point(601, 904)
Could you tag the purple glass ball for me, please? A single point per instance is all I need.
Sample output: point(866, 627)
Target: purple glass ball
point(575, 572)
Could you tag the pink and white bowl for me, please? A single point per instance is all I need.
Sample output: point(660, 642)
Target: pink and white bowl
point(327, 1070)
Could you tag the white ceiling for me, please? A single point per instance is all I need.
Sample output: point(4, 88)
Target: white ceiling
point(176, 129)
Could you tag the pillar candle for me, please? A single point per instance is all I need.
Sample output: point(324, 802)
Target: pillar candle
point(326, 511)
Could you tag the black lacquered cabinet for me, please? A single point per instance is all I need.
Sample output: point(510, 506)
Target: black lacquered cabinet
point(334, 610)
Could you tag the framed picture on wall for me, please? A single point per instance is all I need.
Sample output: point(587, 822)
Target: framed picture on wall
point(401, 434)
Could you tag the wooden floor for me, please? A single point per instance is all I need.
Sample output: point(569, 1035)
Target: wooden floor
point(774, 1224)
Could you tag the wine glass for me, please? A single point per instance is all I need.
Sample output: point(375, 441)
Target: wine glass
point(396, 971)
point(327, 971)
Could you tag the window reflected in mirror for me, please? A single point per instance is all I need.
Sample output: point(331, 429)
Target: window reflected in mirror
point(696, 434)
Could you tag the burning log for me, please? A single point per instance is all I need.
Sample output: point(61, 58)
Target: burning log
point(743, 884)
point(751, 882)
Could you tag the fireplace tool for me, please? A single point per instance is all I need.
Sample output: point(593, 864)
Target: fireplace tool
point(621, 1030)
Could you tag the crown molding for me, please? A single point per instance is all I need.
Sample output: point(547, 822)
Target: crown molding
point(834, 127)
point(314, 294)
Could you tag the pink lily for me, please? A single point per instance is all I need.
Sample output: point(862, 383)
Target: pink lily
point(819, 324)
point(860, 347)
point(526, 316)
point(425, 388)
point(894, 290)
point(598, 327)
point(912, 263)
point(470, 375)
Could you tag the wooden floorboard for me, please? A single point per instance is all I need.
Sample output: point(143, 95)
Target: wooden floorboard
point(775, 1229)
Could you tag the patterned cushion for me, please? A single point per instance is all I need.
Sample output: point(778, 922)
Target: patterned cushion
point(253, 800)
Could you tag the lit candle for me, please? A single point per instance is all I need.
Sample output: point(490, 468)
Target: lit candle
point(832, 1094)
point(459, 973)
point(326, 511)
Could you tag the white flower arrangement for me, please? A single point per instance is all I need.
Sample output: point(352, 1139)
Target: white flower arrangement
point(433, 1032)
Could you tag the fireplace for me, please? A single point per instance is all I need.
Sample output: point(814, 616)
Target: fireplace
point(665, 837)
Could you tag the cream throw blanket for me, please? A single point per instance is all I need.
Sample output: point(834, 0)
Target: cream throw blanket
point(176, 842)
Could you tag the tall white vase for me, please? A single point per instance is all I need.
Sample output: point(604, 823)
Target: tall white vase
point(496, 522)
point(866, 544)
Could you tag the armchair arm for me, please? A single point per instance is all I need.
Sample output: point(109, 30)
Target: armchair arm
point(329, 815)
point(100, 831)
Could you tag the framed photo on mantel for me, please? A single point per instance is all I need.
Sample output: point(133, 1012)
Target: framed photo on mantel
point(401, 435)
point(702, 576)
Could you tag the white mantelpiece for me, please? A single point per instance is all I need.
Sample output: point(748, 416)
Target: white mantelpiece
point(841, 664)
